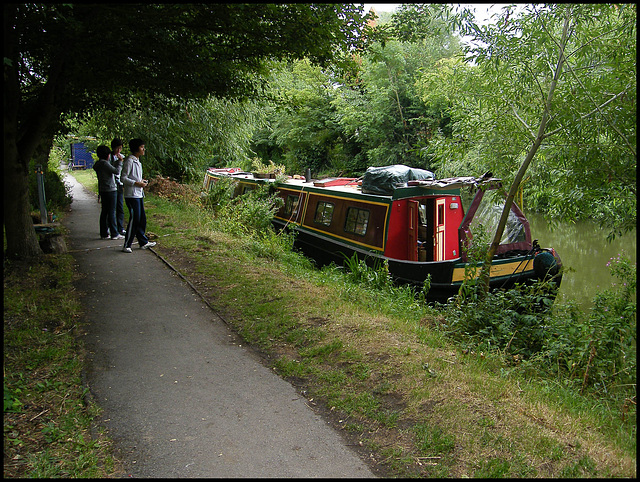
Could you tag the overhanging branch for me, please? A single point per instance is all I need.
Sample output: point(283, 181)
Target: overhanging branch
point(597, 107)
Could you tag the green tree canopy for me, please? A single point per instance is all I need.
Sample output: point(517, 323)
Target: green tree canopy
point(585, 165)
point(183, 137)
point(343, 122)
point(61, 58)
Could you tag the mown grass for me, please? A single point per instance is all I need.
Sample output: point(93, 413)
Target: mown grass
point(47, 416)
point(374, 362)
point(87, 177)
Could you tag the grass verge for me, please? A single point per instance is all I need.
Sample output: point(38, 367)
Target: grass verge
point(47, 416)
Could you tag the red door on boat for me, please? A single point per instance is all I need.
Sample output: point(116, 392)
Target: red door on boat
point(439, 247)
point(413, 231)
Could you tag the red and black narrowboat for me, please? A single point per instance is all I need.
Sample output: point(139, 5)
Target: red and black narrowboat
point(418, 225)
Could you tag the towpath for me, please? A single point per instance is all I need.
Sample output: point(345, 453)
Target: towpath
point(181, 396)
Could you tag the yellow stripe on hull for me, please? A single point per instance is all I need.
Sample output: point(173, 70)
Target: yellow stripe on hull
point(497, 270)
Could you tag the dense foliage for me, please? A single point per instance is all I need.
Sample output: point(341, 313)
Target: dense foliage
point(593, 351)
point(77, 58)
point(371, 115)
point(57, 193)
point(184, 139)
point(586, 163)
point(418, 96)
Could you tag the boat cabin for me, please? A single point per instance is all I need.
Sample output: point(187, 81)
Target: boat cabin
point(419, 226)
point(422, 221)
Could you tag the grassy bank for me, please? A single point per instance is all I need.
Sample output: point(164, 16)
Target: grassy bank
point(374, 362)
point(47, 416)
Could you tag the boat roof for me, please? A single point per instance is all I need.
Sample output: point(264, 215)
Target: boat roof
point(450, 185)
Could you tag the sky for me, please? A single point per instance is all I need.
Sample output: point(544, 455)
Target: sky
point(483, 11)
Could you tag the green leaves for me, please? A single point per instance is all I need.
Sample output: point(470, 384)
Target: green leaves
point(183, 137)
point(498, 104)
point(11, 398)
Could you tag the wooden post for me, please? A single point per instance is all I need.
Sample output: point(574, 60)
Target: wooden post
point(41, 196)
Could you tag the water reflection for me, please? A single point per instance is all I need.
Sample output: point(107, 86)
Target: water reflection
point(584, 248)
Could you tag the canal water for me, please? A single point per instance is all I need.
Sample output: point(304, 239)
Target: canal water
point(585, 252)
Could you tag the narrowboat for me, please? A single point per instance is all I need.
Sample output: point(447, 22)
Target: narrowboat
point(406, 217)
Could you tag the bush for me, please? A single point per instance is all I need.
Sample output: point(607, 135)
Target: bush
point(594, 351)
point(249, 214)
point(511, 321)
point(219, 194)
point(598, 351)
point(56, 193)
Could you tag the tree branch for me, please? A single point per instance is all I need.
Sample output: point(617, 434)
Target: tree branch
point(485, 273)
point(597, 108)
point(524, 123)
point(596, 38)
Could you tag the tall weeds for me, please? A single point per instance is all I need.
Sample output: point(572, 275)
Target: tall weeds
point(597, 350)
point(250, 214)
point(590, 352)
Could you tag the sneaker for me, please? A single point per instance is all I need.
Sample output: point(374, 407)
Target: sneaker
point(126, 250)
point(150, 244)
point(105, 237)
point(119, 236)
point(123, 232)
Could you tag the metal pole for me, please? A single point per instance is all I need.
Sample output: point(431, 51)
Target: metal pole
point(41, 198)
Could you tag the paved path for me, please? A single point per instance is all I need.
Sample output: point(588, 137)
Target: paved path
point(181, 396)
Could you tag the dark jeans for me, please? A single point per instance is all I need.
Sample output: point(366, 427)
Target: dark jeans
point(137, 222)
point(120, 210)
point(108, 214)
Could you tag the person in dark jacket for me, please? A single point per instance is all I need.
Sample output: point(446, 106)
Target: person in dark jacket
point(114, 158)
point(107, 189)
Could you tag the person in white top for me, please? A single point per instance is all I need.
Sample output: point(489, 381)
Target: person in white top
point(133, 185)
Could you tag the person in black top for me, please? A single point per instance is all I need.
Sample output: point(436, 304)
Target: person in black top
point(107, 189)
point(116, 157)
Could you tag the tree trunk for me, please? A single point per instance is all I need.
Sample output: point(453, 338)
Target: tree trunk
point(42, 152)
point(22, 241)
point(21, 139)
point(485, 273)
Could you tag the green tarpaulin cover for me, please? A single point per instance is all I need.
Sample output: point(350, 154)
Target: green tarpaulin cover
point(383, 180)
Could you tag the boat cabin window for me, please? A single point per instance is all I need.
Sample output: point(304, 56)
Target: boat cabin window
point(324, 213)
point(357, 221)
point(291, 205)
point(440, 216)
point(422, 211)
point(243, 188)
